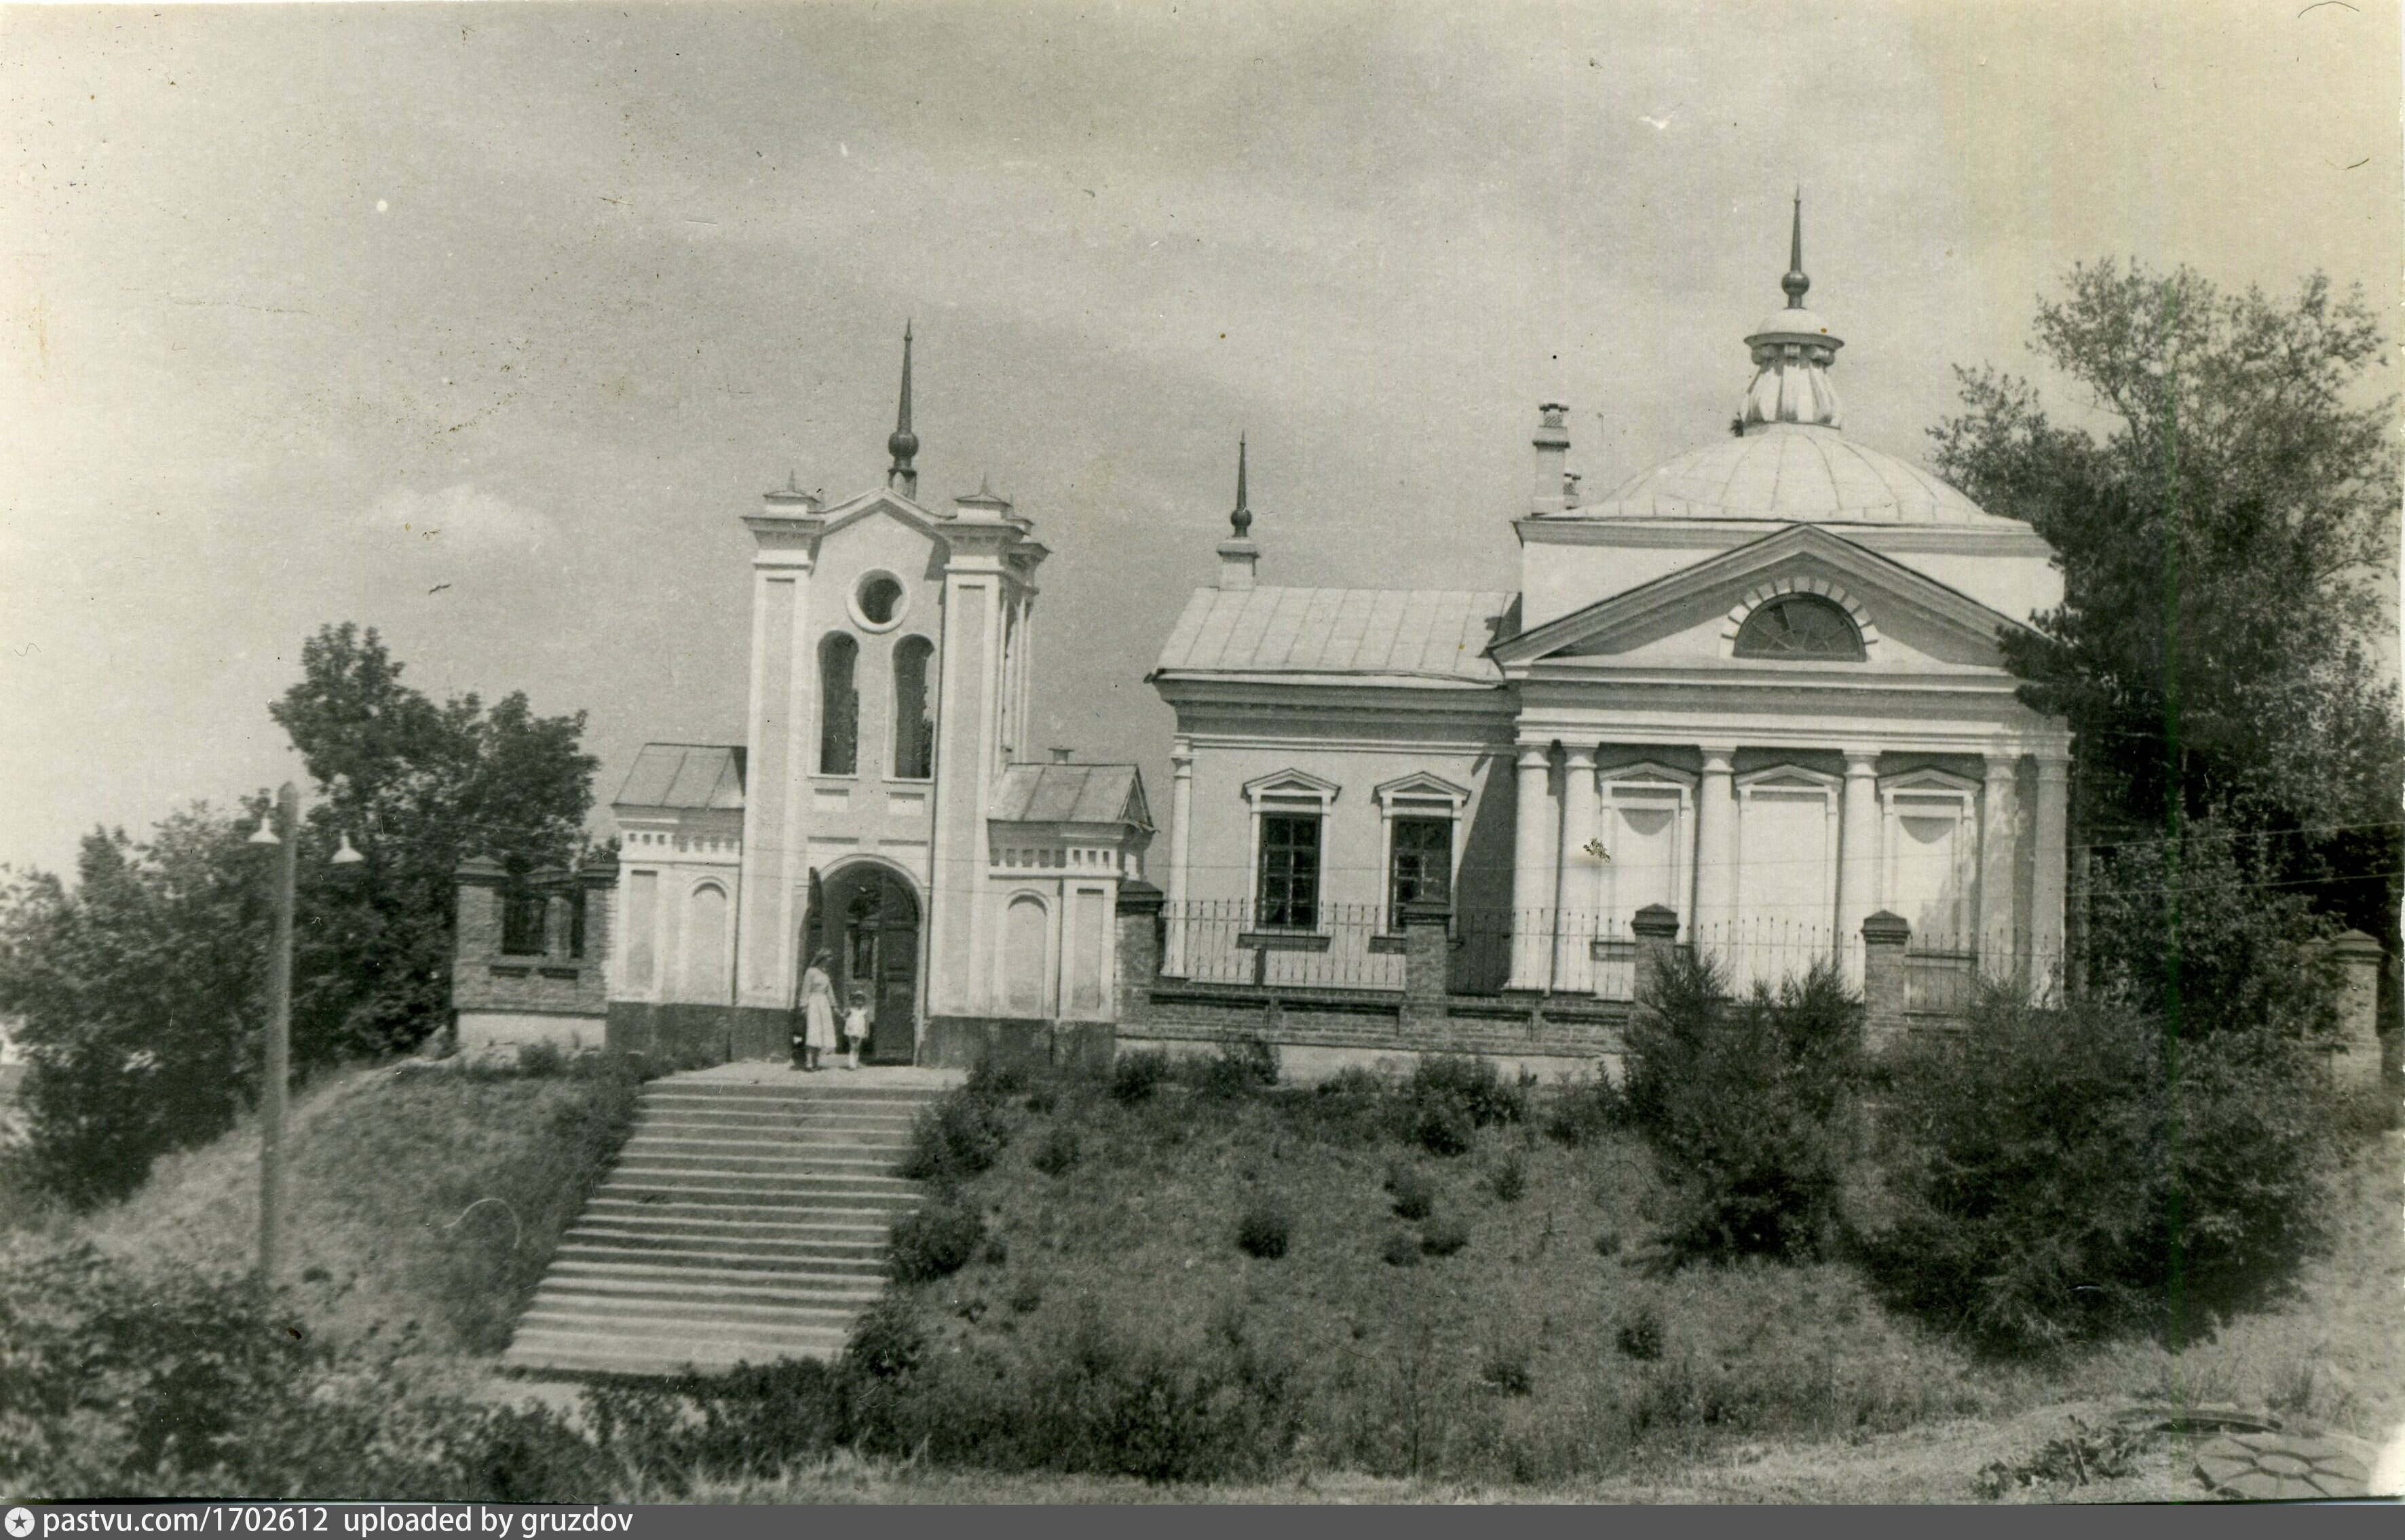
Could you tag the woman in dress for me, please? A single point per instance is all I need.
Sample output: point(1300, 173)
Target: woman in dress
point(817, 1013)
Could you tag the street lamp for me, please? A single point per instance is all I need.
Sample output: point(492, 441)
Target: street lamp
point(274, 1094)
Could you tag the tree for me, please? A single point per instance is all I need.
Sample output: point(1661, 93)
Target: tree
point(2218, 542)
point(136, 993)
point(420, 788)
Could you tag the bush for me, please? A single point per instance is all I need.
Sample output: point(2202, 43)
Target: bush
point(959, 1136)
point(1509, 1180)
point(1134, 1076)
point(1749, 1103)
point(1506, 1369)
point(1241, 1067)
point(1058, 1153)
point(1608, 1244)
point(1584, 1111)
point(1443, 1236)
point(1353, 1108)
point(2057, 1174)
point(1445, 1128)
point(1401, 1250)
point(1640, 1335)
point(935, 1241)
point(1412, 1194)
point(541, 1060)
point(1264, 1230)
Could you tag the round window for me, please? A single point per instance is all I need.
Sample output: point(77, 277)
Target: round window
point(877, 603)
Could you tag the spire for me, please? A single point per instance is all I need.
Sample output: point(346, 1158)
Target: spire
point(1241, 519)
point(904, 445)
point(1793, 349)
point(1795, 283)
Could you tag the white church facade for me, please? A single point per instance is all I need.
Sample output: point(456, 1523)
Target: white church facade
point(1755, 694)
point(1758, 687)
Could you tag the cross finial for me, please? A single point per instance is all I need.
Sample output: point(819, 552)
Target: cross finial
point(1795, 283)
point(1241, 519)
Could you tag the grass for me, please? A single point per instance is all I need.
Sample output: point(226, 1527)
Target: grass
point(422, 1206)
point(1501, 1364)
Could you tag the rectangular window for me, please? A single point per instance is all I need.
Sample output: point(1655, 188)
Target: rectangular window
point(522, 917)
point(576, 923)
point(1289, 872)
point(1421, 867)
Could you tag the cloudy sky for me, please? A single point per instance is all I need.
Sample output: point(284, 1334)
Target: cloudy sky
point(482, 325)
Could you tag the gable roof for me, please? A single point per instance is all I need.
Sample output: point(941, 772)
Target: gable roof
point(1395, 634)
point(1071, 793)
point(1917, 587)
point(684, 774)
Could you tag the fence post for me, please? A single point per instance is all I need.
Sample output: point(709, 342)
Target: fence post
point(1885, 936)
point(2357, 1060)
point(1139, 941)
point(1428, 944)
point(1656, 928)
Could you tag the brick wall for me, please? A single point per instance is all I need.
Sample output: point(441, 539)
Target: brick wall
point(555, 981)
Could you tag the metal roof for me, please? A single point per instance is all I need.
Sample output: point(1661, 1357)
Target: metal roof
point(684, 774)
point(1403, 634)
point(1071, 793)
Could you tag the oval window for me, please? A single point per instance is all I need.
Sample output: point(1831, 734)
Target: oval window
point(878, 600)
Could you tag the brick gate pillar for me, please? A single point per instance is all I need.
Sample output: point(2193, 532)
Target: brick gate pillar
point(1885, 936)
point(1428, 949)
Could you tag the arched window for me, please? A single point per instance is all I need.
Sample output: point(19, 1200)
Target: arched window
point(914, 730)
point(838, 706)
point(1799, 625)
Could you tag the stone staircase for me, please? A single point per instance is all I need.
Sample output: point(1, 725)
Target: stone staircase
point(745, 1221)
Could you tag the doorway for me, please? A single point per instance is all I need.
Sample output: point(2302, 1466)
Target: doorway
point(866, 920)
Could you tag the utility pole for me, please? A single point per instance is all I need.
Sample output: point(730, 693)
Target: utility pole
point(272, 1094)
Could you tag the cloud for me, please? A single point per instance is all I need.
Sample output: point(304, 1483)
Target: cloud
point(460, 517)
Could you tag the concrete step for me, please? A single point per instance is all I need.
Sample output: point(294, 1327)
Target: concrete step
point(631, 1311)
point(770, 1160)
point(867, 1239)
point(880, 1210)
point(802, 1134)
point(647, 1269)
point(735, 1333)
point(756, 1187)
point(685, 1258)
point(769, 1098)
point(578, 1354)
point(830, 1115)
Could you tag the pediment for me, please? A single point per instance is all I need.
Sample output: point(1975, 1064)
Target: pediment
point(1708, 602)
point(1290, 786)
point(884, 503)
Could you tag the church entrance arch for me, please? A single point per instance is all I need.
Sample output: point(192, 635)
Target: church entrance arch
point(865, 917)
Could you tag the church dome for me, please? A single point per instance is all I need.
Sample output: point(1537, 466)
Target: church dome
point(1788, 473)
point(1791, 463)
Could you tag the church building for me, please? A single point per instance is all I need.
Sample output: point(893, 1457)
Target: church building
point(1757, 688)
point(887, 808)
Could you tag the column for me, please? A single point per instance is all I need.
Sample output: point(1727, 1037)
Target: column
point(2000, 951)
point(1531, 873)
point(1715, 847)
point(1574, 931)
point(1858, 843)
point(2047, 893)
point(1181, 841)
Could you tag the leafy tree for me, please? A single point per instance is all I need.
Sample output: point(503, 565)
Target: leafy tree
point(136, 992)
point(418, 786)
point(2218, 539)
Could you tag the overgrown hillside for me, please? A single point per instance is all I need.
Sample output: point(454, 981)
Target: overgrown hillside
point(424, 1200)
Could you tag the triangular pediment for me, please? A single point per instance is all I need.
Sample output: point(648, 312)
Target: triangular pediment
point(887, 503)
point(1711, 595)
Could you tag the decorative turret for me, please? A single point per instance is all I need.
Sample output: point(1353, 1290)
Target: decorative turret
point(904, 445)
point(1793, 349)
point(1239, 555)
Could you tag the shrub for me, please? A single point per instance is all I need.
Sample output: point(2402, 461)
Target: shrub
point(1509, 1180)
point(1027, 1296)
point(1506, 1369)
point(1134, 1076)
point(996, 1253)
point(1472, 1082)
point(1412, 1194)
point(1058, 1153)
point(959, 1136)
point(1583, 1111)
point(1445, 1128)
point(1640, 1335)
point(1241, 1067)
point(1401, 1250)
point(541, 1060)
point(1749, 1103)
point(1264, 1229)
point(1353, 1108)
point(934, 1240)
point(2057, 1174)
point(1608, 1244)
point(1444, 1235)
point(991, 1079)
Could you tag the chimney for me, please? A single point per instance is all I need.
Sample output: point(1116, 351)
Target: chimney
point(1553, 441)
point(1569, 490)
point(1060, 754)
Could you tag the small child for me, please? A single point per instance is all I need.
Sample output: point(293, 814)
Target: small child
point(856, 1023)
